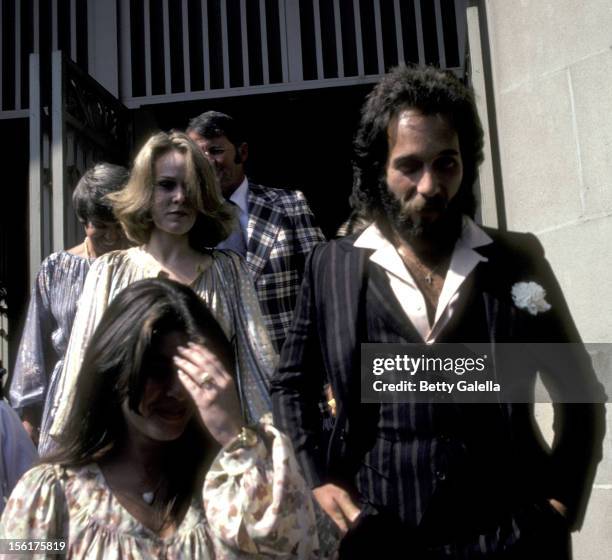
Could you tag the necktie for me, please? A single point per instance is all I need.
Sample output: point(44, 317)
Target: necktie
point(235, 241)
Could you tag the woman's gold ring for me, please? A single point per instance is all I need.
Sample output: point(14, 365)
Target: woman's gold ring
point(205, 380)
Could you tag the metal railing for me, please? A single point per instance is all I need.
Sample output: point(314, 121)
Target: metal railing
point(178, 50)
point(87, 124)
point(4, 332)
point(185, 50)
point(40, 27)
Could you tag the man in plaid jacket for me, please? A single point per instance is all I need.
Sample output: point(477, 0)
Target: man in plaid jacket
point(277, 228)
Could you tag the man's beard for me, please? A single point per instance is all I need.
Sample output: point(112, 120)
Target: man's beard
point(410, 225)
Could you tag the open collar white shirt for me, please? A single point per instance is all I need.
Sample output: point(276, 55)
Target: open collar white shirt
point(463, 260)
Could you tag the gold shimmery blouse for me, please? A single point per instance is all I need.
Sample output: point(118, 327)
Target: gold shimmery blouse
point(227, 290)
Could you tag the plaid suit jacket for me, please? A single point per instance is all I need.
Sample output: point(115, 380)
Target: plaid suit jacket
point(281, 232)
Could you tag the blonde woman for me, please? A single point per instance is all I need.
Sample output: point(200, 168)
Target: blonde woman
point(172, 209)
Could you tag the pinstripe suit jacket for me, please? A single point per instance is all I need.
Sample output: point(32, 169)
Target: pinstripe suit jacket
point(281, 232)
point(324, 340)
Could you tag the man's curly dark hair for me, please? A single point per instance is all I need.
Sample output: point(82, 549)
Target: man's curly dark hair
point(431, 91)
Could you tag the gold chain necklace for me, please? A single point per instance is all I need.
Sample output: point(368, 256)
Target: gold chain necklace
point(426, 274)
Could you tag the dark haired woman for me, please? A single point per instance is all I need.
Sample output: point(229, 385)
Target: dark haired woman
point(173, 209)
point(132, 477)
point(56, 291)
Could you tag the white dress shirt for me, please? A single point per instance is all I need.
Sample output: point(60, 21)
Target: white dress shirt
point(239, 198)
point(463, 260)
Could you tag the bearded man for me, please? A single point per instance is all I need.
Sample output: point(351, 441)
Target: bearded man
point(432, 480)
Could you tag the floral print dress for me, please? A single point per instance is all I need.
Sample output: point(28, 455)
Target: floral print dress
point(255, 504)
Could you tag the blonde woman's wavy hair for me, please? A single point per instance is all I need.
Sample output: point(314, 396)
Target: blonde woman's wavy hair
point(132, 205)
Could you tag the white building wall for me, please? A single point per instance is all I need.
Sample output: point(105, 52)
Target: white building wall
point(552, 78)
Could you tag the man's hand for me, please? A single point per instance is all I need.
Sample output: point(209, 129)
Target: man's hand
point(30, 419)
point(32, 431)
point(336, 503)
point(561, 508)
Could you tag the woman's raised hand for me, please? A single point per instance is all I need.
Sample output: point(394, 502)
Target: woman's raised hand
point(213, 390)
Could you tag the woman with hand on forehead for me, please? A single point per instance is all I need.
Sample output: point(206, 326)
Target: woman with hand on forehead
point(173, 210)
point(155, 460)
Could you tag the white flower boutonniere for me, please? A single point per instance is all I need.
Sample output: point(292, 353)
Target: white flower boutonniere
point(530, 296)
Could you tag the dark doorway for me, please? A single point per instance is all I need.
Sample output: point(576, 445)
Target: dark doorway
point(14, 227)
point(297, 140)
